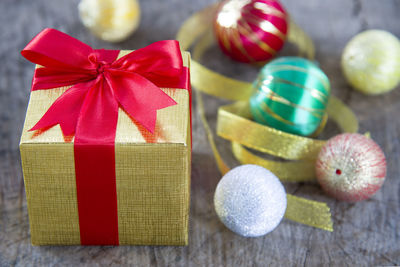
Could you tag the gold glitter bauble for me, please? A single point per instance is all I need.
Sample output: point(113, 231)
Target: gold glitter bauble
point(110, 20)
point(371, 62)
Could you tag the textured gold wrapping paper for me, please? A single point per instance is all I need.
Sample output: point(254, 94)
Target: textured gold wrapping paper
point(152, 176)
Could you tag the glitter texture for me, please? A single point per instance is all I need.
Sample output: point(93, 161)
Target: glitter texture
point(250, 200)
point(351, 167)
point(371, 62)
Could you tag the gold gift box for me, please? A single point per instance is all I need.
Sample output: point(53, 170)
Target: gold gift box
point(152, 175)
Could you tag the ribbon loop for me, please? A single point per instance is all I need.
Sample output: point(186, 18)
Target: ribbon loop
point(157, 59)
point(68, 54)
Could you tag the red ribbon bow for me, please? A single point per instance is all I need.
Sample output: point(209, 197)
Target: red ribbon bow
point(100, 83)
point(89, 109)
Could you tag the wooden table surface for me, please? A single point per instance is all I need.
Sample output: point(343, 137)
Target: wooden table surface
point(366, 233)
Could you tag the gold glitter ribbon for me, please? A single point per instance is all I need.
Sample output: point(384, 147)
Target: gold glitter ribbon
point(234, 121)
point(309, 212)
point(234, 124)
point(301, 210)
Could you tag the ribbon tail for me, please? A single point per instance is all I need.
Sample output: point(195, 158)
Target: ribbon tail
point(94, 153)
point(99, 114)
point(309, 212)
point(139, 97)
point(65, 110)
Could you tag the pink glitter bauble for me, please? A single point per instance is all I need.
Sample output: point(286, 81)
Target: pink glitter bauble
point(351, 167)
point(251, 30)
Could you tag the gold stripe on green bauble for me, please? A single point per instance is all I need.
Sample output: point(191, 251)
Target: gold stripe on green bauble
point(290, 94)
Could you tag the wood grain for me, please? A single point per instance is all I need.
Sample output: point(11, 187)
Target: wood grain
point(366, 233)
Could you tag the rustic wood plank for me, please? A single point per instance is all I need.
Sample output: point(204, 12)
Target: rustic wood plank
point(366, 233)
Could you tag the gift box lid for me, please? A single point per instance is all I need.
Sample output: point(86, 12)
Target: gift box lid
point(172, 126)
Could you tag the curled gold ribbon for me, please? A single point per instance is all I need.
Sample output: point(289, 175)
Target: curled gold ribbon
point(234, 124)
point(234, 121)
point(301, 210)
point(309, 212)
point(299, 38)
point(286, 171)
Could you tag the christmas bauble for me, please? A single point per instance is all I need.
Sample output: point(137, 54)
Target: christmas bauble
point(351, 167)
point(251, 30)
point(371, 62)
point(291, 94)
point(110, 20)
point(250, 200)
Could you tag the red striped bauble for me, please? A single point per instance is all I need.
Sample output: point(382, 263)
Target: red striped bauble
point(251, 30)
point(351, 167)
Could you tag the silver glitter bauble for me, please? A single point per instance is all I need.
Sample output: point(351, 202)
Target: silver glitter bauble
point(250, 200)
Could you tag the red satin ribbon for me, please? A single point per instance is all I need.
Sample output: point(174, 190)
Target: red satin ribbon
point(89, 109)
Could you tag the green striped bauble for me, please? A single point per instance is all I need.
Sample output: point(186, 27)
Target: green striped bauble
point(290, 94)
